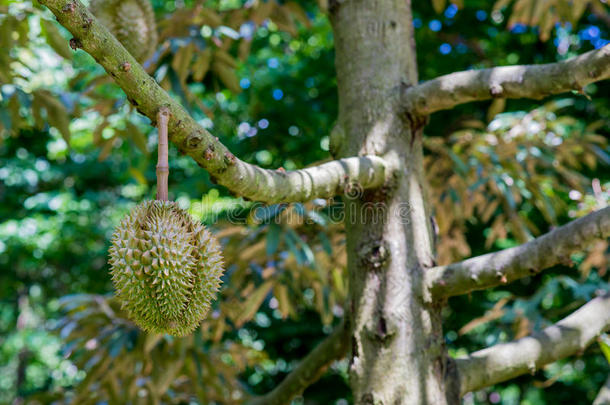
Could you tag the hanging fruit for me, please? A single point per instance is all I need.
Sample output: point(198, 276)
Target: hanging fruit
point(165, 266)
point(132, 22)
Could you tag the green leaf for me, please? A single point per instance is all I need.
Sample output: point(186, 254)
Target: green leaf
point(273, 238)
point(266, 213)
point(604, 344)
point(253, 303)
point(55, 39)
point(460, 166)
point(138, 138)
point(301, 250)
point(57, 115)
point(292, 245)
point(116, 345)
point(601, 154)
point(439, 5)
point(326, 245)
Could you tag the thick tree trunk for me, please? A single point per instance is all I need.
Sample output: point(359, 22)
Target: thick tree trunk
point(398, 354)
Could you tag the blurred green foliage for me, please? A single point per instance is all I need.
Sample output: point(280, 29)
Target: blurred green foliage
point(74, 158)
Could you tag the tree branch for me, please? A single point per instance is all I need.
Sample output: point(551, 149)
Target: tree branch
point(603, 397)
point(253, 182)
point(504, 361)
point(511, 264)
point(309, 369)
point(520, 81)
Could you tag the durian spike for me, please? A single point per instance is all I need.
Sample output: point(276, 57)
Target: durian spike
point(162, 159)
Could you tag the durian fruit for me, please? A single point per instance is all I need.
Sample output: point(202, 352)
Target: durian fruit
point(165, 267)
point(132, 22)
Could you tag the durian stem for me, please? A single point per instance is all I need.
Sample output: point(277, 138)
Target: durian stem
point(162, 160)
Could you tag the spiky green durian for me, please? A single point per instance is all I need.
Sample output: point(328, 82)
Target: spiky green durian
point(165, 267)
point(132, 22)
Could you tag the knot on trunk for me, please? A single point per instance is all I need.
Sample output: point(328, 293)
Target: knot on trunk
point(374, 254)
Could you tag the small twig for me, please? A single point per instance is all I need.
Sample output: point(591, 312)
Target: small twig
point(162, 160)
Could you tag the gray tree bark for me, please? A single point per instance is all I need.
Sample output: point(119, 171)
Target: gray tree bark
point(508, 360)
point(397, 348)
point(520, 81)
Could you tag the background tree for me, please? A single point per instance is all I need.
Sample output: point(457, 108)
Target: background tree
point(495, 181)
